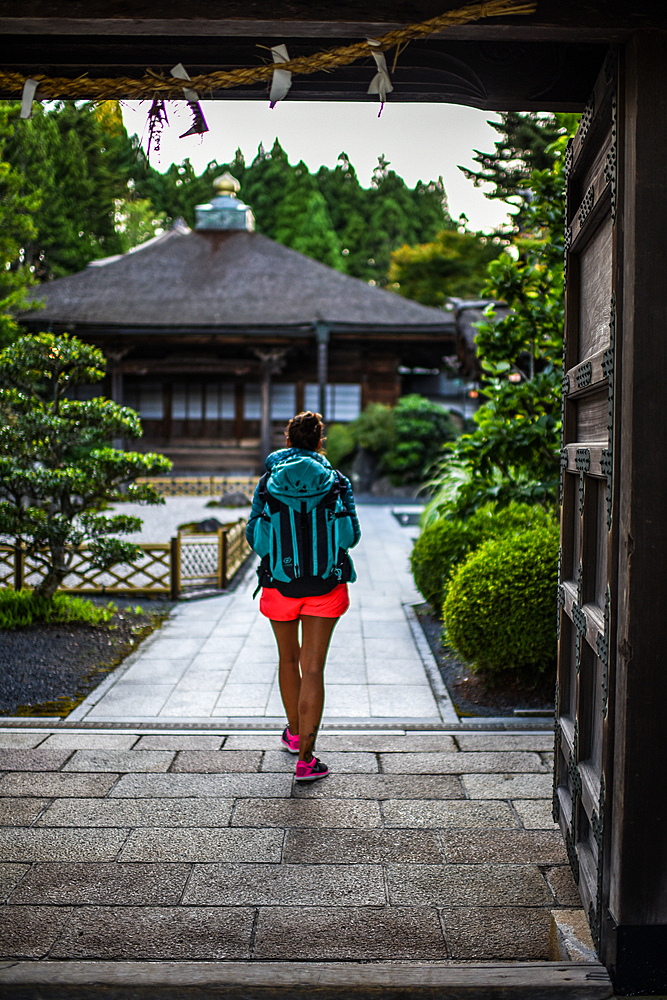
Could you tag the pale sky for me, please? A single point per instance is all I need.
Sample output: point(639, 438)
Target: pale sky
point(421, 141)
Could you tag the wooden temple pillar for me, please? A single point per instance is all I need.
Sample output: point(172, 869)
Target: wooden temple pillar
point(271, 363)
point(635, 945)
point(610, 781)
point(322, 334)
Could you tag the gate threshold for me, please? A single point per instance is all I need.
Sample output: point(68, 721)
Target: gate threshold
point(332, 981)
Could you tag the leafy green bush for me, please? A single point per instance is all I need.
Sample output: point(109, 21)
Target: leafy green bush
point(437, 551)
point(421, 428)
point(374, 428)
point(500, 606)
point(20, 608)
point(444, 543)
point(340, 443)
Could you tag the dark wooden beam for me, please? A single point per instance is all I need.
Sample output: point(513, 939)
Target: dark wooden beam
point(553, 19)
point(494, 76)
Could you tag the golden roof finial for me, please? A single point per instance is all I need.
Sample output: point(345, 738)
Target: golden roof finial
point(226, 185)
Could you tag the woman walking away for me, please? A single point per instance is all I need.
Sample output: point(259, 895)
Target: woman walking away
point(303, 522)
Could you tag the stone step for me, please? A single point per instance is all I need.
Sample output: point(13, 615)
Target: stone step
point(297, 980)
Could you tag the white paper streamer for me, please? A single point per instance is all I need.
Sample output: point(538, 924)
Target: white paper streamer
point(282, 78)
point(29, 88)
point(180, 72)
point(381, 83)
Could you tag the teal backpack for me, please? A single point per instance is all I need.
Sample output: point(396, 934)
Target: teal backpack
point(304, 539)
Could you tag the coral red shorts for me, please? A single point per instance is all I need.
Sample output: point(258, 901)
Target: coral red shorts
point(273, 605)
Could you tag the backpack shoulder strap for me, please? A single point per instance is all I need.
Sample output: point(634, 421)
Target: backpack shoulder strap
point(265, 497)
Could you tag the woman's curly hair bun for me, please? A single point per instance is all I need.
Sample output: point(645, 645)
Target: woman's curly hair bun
point(306, 430)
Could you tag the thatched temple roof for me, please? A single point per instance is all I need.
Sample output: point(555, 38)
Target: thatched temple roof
point(225, 280)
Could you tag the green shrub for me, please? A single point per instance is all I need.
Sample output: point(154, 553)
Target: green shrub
point(421, 429)
point(20, 608)
point(491, 522)
point(436, 553)
point(374, 428)
point(446, 542)
point(500, 606)
point(340, 443)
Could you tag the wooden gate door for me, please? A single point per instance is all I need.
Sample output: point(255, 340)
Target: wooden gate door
point(610, 777)
point(586, 595)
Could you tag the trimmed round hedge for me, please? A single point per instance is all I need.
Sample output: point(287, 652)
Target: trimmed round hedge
point(445, 543)
point(500, 609)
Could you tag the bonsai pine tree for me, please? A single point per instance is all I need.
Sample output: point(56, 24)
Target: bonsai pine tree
point(57, 469)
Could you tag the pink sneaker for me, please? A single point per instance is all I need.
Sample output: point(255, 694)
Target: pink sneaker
point(290, 742)
point(310, 770)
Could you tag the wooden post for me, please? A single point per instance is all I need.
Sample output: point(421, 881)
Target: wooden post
point(19, 566)
point(265, 432)
point(175, 567)
point(634, 942)
point(223, 554)
point(322, 336)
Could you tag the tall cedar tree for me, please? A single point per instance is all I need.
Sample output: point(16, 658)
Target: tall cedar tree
point(521, 149)
point(75, 158)
point(16, 229)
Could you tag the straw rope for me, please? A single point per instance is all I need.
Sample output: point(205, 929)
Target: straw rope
point(157, 85)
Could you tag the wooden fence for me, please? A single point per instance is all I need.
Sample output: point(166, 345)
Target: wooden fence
point(164, 569)
point(202, 486)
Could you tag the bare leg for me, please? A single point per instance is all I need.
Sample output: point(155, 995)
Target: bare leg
point(314, 646)
point(289, 678)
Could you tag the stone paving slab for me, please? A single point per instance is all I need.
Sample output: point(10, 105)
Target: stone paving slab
point(57, 784)
point(33, 760)
point(114, 884)
point(435, 815)
point(476, 932)
point(383, 786)
point(541, 847)
point(286, 885)
point(358, 846)
point(120, 760)
point(196, 785)
point(480, 885)
point(561, 882)
point(460, 763)
point(134, 813)
point(315, 813)
point(349, 934)
point(60, 845)
point(179, 741)
point(507, 786)
point(178, 932)
point(214, 762)
point(204, 845)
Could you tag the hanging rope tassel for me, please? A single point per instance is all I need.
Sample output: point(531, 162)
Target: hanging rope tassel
point(192, 97)
point(381, 83)
point(281, 80)
point(28, 96)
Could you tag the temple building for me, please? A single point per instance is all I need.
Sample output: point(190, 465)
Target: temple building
point(218, 335)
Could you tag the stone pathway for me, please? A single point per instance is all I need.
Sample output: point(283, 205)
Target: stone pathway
point(215, 661)
point(420, 847)
point(159, 825)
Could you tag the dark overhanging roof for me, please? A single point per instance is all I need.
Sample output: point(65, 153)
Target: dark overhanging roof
point(547, 60)
point(215, 281)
